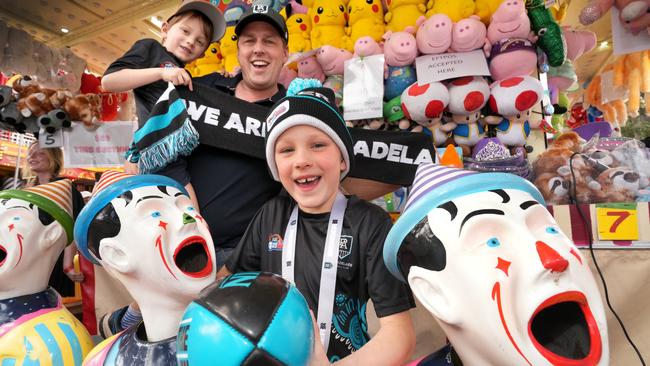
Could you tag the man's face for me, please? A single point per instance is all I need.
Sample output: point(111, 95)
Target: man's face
point(20, 228)
point(517, 284)
point(261, 54)
point(166, 240)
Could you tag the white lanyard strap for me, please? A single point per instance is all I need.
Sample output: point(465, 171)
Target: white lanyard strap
point(327, 289)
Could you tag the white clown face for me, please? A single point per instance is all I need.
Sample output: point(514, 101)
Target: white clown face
point(515, 290)
point(163, 243)
point(23, 241)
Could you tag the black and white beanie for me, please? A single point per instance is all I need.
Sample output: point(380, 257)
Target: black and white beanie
point(314, 107)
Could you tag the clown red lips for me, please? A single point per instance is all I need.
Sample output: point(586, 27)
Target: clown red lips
point(15, 217)
point(491, 264)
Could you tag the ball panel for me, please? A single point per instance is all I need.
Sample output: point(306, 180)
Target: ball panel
point(204, 333)
point(246, 301)
point(293, 314)
point(261, 358)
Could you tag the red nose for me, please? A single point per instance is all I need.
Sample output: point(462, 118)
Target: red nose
point(550, 258)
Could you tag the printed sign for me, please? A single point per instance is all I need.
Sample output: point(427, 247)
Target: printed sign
point(617, 221)
point(101, 148)
point(363, 88)
point(445, 66)
point(49, 140)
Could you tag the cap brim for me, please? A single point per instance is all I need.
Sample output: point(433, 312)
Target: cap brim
point(259, 17)
point(212, 13)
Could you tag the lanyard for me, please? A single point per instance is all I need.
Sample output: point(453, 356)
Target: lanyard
point(330, 263)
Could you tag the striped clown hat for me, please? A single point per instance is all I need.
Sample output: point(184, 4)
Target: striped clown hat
point(55, 198)
point(437, 184)
point(467, 95)
point(515, 95)
point(111, 185)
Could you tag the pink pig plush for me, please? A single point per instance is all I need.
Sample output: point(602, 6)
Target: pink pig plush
point(400, 51)
point(509, 45)
point(434, 34)
point(332, 59)
point(366, 46)
point(309, 68)
point(468, 34)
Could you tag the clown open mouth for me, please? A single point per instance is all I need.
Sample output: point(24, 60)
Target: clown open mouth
point(3, 255)
point(564, 330)
point(193, 258)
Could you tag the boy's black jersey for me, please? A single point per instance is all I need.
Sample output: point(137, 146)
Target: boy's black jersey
point(146, 53)
point(361, 273)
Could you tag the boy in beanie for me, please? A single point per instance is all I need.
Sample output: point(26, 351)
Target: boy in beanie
point(328, 244)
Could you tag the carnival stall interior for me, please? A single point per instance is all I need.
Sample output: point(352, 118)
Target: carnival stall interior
point(507, 140)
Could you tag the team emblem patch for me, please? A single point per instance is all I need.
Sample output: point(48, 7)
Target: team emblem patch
point(275, 243)
point(263, 9)
point(345, 246)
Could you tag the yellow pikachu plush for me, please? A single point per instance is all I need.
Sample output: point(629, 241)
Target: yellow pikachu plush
point(212, 61)
point(229, 49)
point(454, 9)
point(328, 19)
point(366, 18)
point(403, 13)
point(299, 28)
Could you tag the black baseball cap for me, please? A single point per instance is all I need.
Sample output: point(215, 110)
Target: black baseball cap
point(210, 11)
point(263, 13)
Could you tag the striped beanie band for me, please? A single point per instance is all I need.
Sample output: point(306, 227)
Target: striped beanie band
point(437, 184)
point(55, 198)
point(111, 185)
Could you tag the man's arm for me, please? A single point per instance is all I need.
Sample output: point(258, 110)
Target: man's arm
point(367, 189)
point(392, 345)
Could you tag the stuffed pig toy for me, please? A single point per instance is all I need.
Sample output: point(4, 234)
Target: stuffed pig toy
point(468, 34)
point(400, 51)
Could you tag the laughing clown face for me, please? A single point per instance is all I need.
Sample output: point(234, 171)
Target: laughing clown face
point(144, 230)
point(35, 226)
point(485, 257)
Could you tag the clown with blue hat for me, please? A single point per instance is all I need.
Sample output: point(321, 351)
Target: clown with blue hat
point(485, 257)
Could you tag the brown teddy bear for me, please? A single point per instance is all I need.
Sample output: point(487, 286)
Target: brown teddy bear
point(85, 108)
point(619, 184)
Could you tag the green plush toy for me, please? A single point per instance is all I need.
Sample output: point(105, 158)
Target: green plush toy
point(549, 33)
point(559, 115)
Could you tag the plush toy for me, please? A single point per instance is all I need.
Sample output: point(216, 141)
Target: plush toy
point(634, 14)
point(400, 51)
point(54, 120)
point(510, 49)
point(309, 68)
point(299, 29)
point(287, 74)
point(328, 18)
point(455, 9)
point(212, 61)
point(548, 32)
point(467, 95)
point(425, 104)
point(615, 112)
point(19, 52)
point(401, 14)
point(559, 112)
point(394, 115)
point(228, 45)
point(84, 108)
point(434, 34)
point(367, 46)
point(332, 60)
point(620, 184)
point(468, 34)
point(513, 99)
point(366, 19)
point(485, 9)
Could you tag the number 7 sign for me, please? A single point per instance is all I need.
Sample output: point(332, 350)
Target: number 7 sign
point(617, 222)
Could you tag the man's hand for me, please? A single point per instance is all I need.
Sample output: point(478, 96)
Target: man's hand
point(131, 168)
point(177, 76)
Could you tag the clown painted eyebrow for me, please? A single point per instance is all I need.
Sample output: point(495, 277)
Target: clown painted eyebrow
point(528, 204)
point(162, 189)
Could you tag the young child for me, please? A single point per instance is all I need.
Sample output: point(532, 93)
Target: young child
point(149, 65)
point(328, 244)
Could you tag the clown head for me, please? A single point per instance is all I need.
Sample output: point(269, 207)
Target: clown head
point(35, 226)
point(485, 257)
point(145, 232)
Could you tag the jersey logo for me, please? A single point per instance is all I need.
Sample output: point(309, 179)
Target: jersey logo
point(345, 246)
point(260, 9)
point(167, 65)
point(275, 243)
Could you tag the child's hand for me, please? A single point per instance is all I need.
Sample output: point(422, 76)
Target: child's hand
point(177, 76)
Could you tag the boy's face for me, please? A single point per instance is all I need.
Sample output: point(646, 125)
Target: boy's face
point(261, 54)
point(309, 165)
point(185, 39)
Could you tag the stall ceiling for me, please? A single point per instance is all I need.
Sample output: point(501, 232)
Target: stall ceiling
point(101, 31)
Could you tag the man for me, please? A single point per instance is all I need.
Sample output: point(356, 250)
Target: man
point(485, 257)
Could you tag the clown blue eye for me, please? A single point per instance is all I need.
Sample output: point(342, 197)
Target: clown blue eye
point(155, 214)
point(552, 230)
point(16, 218)
point(493, 242)
point(190, 208)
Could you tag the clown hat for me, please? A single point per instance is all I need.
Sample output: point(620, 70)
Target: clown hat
point(515, 95)
point(55, 198)
point(436, 184)
point(467, 94)
point(111, 185)
point(422, 103)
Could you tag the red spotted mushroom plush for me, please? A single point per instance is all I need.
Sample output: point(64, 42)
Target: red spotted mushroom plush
point(513, 98)
point(467, 95)
point(424, 104)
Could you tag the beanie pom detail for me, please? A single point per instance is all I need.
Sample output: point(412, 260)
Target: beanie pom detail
point(299, 84)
